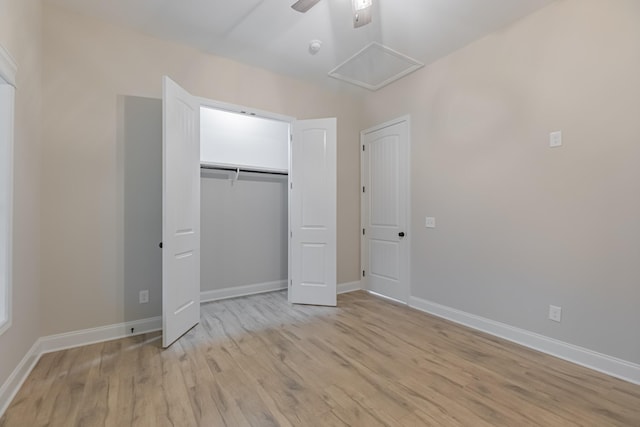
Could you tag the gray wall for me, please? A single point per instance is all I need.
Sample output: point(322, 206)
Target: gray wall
point(520, 225)
point(244, 230)
point(142, 164)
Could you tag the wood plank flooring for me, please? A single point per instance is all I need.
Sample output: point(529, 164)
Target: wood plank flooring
point(258, 361)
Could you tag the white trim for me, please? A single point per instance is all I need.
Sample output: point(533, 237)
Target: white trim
point(225, 106)
point(609, 365)
point(73, 339)
point(11, 386)
point(8, 67)
point(344, 288)
point(397, 120)
point(387, 298)
point(241, 291)
point(7, 116)
point(260, 288)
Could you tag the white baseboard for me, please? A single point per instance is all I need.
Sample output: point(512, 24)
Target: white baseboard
point(241, 291)
point(95, 335)
point(609, 365)
point(259, 288)
point(344, 288)
point(11, 386)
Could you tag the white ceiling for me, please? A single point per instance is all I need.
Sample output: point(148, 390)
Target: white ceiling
point(269, 34)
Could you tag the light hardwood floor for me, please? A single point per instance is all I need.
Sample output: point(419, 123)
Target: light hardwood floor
point(258, 361)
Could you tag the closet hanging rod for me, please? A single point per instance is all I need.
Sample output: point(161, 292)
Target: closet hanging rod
point(246, 170)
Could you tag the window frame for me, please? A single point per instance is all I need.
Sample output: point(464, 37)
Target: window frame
point(8, 70)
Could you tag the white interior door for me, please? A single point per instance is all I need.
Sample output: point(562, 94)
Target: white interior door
point(312, 214)
point(180, 212)
point(385, 197)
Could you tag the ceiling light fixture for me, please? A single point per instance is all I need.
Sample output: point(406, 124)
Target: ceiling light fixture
point(361, 12)
point(303, 6)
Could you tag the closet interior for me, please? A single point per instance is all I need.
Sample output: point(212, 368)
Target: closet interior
point(244, 165)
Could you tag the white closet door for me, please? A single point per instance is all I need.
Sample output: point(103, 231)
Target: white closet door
point(313, 212)
point(180, 212)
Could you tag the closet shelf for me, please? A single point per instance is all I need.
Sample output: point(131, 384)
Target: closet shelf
point(238, 169)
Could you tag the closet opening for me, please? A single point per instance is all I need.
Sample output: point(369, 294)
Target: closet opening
point(227, 233)
point(244, 203)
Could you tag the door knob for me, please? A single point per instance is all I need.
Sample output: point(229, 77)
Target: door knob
point(401, 234)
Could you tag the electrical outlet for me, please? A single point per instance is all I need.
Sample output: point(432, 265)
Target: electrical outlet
point(144, 296)
point(555, 313)
point(430, 222)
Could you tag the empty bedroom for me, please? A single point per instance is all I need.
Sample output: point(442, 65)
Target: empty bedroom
point(319, 213)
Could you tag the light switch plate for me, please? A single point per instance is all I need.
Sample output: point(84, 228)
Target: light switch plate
point(555, 139)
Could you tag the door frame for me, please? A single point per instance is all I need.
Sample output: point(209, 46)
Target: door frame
point(364, 209)
point(8, 71)
point(235, 108)
point(210, 103)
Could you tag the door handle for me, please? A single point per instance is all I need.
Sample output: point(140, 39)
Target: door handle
point(401, 234)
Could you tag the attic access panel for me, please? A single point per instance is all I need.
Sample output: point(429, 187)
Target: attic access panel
point(375, 66)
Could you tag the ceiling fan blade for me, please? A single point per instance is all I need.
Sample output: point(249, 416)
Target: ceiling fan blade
point(304, 5)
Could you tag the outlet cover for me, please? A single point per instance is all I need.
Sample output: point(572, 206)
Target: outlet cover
point(555, 313)
point(144, 297)
point(430, 222)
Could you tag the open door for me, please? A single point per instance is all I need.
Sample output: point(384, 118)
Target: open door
point(312, 215)
point(180, 212)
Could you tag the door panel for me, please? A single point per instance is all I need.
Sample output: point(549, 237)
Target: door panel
point(313, 213)
point(384, 259)
point(384, 180)
point(180, 212)
point(385, 177)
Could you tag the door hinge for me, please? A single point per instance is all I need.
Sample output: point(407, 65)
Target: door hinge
point(363, 188)
point(291, 185)
point(362, 273)
point(363, 231)
point(291, 234)
point(362, 147)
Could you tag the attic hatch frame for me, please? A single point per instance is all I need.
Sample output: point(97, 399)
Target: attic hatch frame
point(371, 53)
